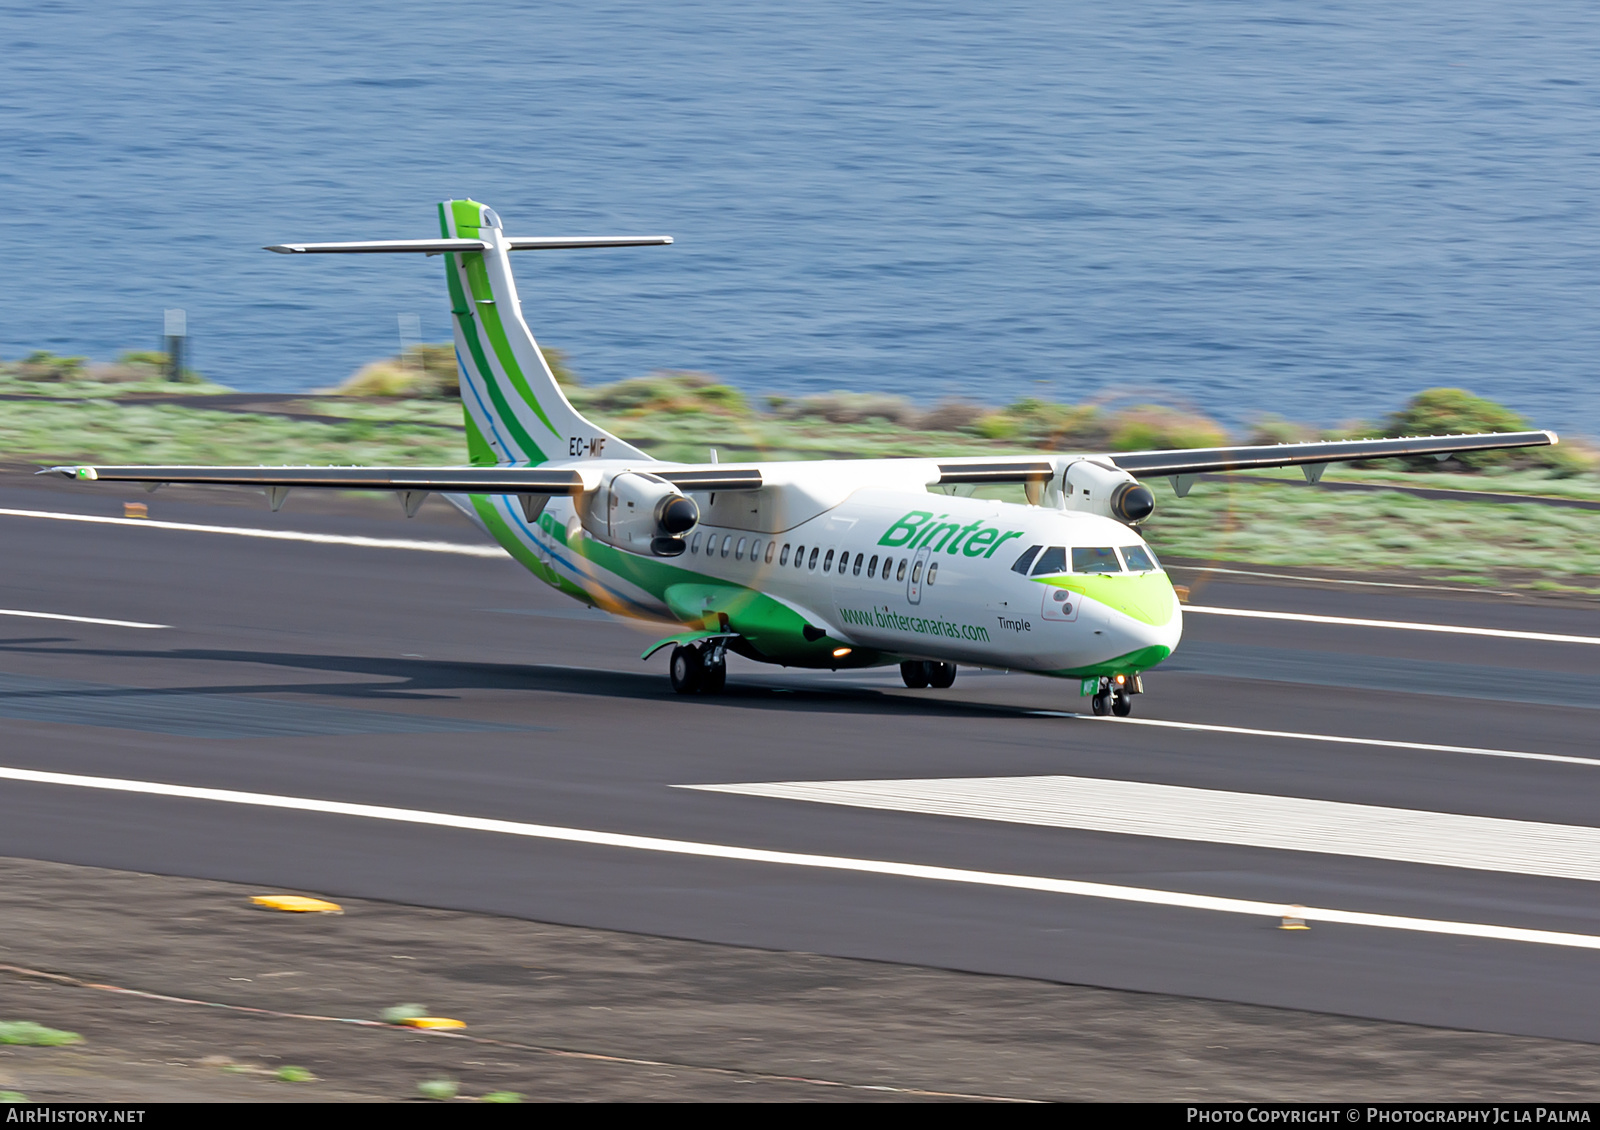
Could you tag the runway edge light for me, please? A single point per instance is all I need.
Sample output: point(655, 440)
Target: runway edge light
point(1295, 919)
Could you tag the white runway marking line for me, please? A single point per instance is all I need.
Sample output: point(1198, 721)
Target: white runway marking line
point(1382, 743)
point(1403, 625)
point(79, 619)
point(275, 535)
point(1174, 812)
point(1141, 895)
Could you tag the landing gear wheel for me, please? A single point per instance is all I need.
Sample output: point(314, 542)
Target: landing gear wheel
point(941, 675)
point(715, 677)
point(1101, 703)
point(1121, 704)
point(687, 670)
point(915, 673)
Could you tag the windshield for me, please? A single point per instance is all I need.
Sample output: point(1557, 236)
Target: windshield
point(1095, 559)
point(1139, 559)
point(1053, 559)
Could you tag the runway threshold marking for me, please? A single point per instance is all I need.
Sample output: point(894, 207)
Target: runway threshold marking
point(1176, 812)
point(1403, 625)
point(1383, 743)
point(275, 535)
point(1141, 895)
point(78, 619)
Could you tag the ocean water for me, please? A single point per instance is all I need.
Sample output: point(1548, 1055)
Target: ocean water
point(1307, 208)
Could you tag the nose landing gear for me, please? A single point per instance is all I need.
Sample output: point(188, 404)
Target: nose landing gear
point(1115, 695)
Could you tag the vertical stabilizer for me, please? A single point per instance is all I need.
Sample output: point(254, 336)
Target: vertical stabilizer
point(516, 414)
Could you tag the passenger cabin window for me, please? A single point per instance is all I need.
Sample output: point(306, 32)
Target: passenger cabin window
point(727, 543)
point(694, 543)
point(812, 564)
point(771, 545)
point(1026, 559)
point(800, 557)
point(872, 567)
point(900, 574)
point(1053, 559)
point(856, 572)
point(1139, 559)
point(783, 558)
point(916, 572)
point(827, 562)
point(933, 571)
point(1087, 559)
point(738, 551)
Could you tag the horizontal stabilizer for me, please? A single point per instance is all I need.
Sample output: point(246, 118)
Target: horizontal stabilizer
point(440, 246)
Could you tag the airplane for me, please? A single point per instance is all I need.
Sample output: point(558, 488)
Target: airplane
point(837, 564)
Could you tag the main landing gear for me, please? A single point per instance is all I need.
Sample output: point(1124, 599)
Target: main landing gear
point(1115, 695)
point(927, 673)
point(700, 669)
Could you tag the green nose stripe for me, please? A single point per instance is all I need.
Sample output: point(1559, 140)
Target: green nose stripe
point(1147, 597)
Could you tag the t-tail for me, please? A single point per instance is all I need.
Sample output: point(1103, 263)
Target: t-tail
point(516, 413)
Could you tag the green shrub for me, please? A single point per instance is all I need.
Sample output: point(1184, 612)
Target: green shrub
point(1153, 426)
point(42, 365)
point(1454, 411)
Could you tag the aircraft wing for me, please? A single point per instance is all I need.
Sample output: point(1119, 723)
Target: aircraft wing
point(448, 480)
point(1203, 460)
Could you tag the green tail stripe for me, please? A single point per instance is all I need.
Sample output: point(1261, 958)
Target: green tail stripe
point(489, 316)
point(479, 453)
point(469, 330)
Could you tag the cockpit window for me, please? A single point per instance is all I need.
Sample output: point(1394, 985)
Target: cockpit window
point(1053, 559)
point(1139, 559)
point(1026, 559)
point(1091, 559)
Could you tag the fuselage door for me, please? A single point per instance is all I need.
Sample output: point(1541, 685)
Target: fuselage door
point(914, 579)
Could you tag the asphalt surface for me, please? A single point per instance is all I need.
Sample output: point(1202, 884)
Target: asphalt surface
point(459, 685)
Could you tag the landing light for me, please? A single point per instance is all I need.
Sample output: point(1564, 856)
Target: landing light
point(1122, 680)
point(840, 652)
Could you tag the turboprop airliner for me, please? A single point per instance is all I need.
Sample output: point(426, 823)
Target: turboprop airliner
point(836, 564)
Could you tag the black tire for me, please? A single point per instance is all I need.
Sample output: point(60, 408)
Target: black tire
point(1101, 704)
point(915, 673)
point(1122, 704)
point(687, 670)
point(714, 678)
point(941, 675)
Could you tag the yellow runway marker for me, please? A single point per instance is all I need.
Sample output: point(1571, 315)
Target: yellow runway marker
point(297, 903)
point(431, 1022)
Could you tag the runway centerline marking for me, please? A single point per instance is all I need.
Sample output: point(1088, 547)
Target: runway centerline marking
point(1402, 625)
point(79, 619)
point(1142, 895)
point(1382, 743)
point(1178, 812)
point(275, 535)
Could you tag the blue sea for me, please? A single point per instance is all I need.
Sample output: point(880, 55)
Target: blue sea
point(1305, 208)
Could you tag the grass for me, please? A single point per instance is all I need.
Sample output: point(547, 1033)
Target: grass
point(28, 1034)
point(1264, 520)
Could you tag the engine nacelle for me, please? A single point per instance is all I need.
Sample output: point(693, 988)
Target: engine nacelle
point(1110, 492)
point(638, 511)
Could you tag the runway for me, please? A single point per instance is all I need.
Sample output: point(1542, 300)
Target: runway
point(447, 682)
